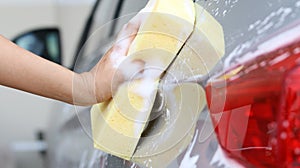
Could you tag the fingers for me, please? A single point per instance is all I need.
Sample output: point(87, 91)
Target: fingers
point(130, 30)
point(127, 34)
point(124, 40)
point(117, 69)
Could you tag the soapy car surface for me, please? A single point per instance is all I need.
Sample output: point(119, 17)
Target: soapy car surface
point(170, 35)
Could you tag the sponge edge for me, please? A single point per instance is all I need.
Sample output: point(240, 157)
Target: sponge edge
point(199, 55)
point(123, 119)
point(202, 51)
point(167, 27)
point(185, 103)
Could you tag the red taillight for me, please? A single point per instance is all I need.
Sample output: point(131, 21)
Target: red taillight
point(256, 111)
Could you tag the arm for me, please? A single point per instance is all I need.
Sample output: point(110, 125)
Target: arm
point(23, 70)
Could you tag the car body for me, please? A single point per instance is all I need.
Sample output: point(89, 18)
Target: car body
point(69, 129)
point(242, 30)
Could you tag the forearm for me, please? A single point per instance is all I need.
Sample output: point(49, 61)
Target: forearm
point(25, 71)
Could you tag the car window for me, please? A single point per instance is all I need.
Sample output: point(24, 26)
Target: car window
point(104, 29)
point(42, 42)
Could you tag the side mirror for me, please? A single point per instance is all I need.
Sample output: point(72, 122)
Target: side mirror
point(42, 42)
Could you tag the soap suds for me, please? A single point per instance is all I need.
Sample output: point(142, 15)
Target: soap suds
point(189, 161)
point(220, 159)
point(116, 59)
point(277, 17)
point(83, 159)
point(260, 27)
point(148, 85)
point(226, 6)
point(146, 89)
point(130, 69)
point(133, 165)
point(270, 45)
point(297, 4)
point(237, 52)
point(276, 42)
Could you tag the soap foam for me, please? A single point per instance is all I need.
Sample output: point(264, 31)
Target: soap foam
point(148, 81)
point(189, 161)
point(274, 20)
point(221, 159)
point(116, 59)
point(275, 43)
point(270, 45)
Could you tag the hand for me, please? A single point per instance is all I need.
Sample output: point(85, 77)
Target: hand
point(99, 84)
point(23, 70)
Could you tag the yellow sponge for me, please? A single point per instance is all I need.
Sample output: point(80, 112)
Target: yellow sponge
point(203, 49)
point(117, 125)
point(185, 101)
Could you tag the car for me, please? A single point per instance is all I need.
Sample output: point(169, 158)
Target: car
point(73, 144)
point(68, 134)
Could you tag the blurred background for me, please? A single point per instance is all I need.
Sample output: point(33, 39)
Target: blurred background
point(50, 28)
point(40, 133)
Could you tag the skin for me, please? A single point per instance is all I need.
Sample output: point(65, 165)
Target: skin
point(23, 70)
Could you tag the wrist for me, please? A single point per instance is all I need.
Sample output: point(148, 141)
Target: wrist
point(83, 89)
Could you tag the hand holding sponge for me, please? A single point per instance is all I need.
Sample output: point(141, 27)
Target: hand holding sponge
point(173, 32)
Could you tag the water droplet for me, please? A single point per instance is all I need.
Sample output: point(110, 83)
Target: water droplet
point(286, 124)
point(224, 12)
point(283, 135)
point(274, 141)
point(297, 151)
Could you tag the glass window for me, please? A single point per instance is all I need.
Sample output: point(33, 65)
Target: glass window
point(43, 42)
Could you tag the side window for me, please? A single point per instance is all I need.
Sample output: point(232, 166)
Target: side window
point(42, 42)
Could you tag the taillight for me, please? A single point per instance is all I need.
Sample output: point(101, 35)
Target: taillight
point(256, 112)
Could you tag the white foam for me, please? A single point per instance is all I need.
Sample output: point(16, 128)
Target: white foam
point(270, 45)
point(276, 42)
point(146, 89)
point(221, 159)
point(148, 79)
point(273, 20)
point(189, 161)
point(116, 59)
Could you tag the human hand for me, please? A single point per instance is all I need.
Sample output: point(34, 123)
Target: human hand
point(99, 84)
